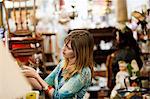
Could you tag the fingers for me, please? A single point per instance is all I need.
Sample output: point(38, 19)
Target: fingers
point(28, 68)
point(27, 73)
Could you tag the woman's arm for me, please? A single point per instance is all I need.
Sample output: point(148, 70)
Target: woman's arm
point(36, 81)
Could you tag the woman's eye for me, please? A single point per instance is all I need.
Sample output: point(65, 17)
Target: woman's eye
point(68, 47)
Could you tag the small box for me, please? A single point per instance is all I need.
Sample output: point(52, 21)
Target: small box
point(32, 95)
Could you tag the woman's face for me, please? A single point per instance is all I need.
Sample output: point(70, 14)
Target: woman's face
point(67, 51)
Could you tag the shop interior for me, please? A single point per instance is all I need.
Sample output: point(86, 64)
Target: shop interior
point(32, 33)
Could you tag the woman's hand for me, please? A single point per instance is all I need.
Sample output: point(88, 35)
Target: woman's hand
point(32, 77)
point(30, 72)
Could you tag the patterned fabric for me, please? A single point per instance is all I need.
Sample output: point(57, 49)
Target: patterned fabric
point(73, 88)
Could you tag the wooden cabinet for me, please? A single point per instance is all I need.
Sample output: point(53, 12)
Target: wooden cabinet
point(24, 48)
point(100, 56)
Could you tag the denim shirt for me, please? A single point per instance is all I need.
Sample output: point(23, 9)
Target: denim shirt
point(73, 88)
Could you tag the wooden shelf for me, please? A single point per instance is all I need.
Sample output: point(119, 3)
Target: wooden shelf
point(100, 73)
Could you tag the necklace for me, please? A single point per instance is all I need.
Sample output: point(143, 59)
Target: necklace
point(67, 69)
point(64, 71)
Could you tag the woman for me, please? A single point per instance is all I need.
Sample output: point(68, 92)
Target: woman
point(127, 50)
point(72, 76)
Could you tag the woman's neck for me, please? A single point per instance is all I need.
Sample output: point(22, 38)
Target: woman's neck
point(71, 61)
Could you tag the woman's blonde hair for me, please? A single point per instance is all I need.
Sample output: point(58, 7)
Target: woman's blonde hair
point(82, 43)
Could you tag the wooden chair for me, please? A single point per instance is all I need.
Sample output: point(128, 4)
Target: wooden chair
point(19, 13)
point(22, 43)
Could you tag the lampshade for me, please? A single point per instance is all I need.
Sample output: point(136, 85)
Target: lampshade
point(12, 82)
